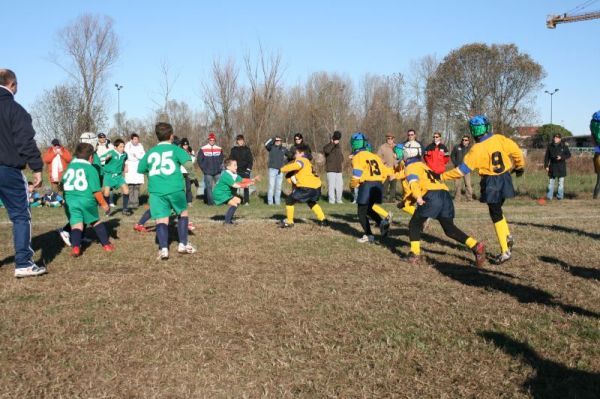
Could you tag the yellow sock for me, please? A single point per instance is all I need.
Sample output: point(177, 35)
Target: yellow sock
point(318, 211)
point(409, 209)
point(471, 242)
point(380, 211)
point(502, 232)
point(289, 210)
point(415, 247)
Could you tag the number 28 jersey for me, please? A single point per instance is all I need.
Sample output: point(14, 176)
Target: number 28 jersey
point(367, 166)
point(80, 180)
point(163, 164)
point(492, 156)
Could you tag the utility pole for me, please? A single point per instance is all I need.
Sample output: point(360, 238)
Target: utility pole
point(119, 87)
point(551, 95)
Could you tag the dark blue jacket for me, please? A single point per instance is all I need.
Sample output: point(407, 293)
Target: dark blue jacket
point(17, 144)
point(277, 154)
point(210, 159)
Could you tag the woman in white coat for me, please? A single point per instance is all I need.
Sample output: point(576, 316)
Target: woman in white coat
point(135, 152)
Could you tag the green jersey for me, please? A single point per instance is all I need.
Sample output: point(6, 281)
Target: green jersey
point(116, 162)
point(163, 164)
point(97, 164)
point(223, 190)
point(80, 180)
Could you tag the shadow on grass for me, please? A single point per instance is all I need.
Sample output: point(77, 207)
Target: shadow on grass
point(583, 272)
point(550, 379)
point(483, 278)
point(570, 230)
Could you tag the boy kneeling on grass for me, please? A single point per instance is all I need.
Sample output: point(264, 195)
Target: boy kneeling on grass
point(307, 187)
point(228, 182)
point(82, 196)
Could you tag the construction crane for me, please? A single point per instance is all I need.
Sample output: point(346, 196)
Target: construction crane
point(553, 20)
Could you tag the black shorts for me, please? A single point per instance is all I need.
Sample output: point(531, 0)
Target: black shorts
point(370, 192)
point(495, 189)
point(438, 204)
point(304, 194)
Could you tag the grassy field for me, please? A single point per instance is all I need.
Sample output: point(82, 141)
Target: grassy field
point(308, 312)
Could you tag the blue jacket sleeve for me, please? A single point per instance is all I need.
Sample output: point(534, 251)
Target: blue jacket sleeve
point(24, 139)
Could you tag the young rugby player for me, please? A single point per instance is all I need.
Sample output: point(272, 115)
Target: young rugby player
point(223, 192)
point(408, 204)
point(493, 155)
point(434, 202)
point(368, 174)
point(114, 170)
point(82, 195)
point(167, 189)
point(306, 189)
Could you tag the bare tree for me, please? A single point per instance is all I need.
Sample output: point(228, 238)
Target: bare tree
point(220, 97)
point(167, 82)
point(92, 48)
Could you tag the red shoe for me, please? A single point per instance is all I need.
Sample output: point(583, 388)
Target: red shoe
point(140, 228)
point(108, 247)
point(75, 252)
point(479, 252)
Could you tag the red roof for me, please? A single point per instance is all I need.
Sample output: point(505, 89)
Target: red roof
point(527, 131)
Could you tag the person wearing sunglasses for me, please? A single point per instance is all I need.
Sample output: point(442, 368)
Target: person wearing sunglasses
point(457, 155)
point(436, 154)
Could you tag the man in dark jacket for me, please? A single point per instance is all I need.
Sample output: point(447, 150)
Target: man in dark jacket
point(277, 158)
point(555, 163)
point(458, 153)
point(436, 154)
point(18, 149)
point(242, 154)
point(210, 160)
point(334, 159)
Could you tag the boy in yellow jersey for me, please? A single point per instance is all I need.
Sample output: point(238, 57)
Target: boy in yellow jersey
point(493, 155)
point(434, 202)
point(368, 174)
point(307, 187)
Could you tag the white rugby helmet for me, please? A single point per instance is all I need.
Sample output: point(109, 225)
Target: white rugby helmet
point(89, 137)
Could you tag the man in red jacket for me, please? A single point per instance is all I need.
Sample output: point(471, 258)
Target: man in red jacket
point(56, 158)
point(436, 154)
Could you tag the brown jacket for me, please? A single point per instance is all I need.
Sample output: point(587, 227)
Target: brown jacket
point(387, 155)
point(334, 159)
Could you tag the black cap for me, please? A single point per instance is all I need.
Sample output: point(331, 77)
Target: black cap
point(55, 142)
point(101, 135)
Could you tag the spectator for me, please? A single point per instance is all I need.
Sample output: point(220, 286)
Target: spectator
point(57, 158)
point(135, 152)
point(458, 153)
point(412, 142)
point(555, 163)
point(298, 140)
point(387, 155)
point(210, 160)
point(185, 144)
point(277, 158)
point(436, 154)
point(595, 131)
point(334, 160)
point(243, 156)
point(18, 149)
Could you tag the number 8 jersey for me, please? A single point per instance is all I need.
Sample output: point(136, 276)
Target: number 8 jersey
point(493, 155)
point(163, 164)
point(80, 180)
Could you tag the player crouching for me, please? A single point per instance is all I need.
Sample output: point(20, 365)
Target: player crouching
point(82, 195)
point(433, 201)
point(307, 187)
point(228, 182)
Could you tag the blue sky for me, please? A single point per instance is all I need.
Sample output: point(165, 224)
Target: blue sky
point(348, 37)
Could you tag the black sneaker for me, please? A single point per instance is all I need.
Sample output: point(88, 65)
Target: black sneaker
point(127, 212)
point(323, 223)
point(284, 225)
point(384, 225)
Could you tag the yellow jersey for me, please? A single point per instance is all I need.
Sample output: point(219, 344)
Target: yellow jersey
point(367, 166)
point(305, 176)
point(421, 179)
point(493, 155)
point(400, 174)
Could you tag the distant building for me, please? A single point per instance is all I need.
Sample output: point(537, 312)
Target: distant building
point(525, 136)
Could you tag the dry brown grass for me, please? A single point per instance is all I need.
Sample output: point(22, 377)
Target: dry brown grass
point(308, 312)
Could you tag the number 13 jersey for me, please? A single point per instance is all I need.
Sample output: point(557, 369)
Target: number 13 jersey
point(367, 166)
point(163, 164)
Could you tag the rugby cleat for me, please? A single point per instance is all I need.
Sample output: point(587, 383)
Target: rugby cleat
point(479, 252)
point(65, 236)
point(323, 223)
point(127, 212)
point(384, 225)
point(140, 228)
point(503, 257)
point(284, 225)
point(108, 247)
point(75, 252)
point(186, 248)
point(366, 239)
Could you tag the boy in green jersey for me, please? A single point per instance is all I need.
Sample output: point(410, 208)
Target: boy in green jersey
point(114, 170)
point(82, 196)
point(162, 163)
point(223, 190)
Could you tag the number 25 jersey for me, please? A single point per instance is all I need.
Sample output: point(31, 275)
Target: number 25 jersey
point(492, 156)
point(367, 166)
point(163, 164)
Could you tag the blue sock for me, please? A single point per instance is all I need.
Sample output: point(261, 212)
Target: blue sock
point(229, 214)
point(162, 235)
point(182, 229)
point(76, 237)
point(106, 198)
point(125, 201)
point(145, 217)
point(112, 198)
point(100, 230)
